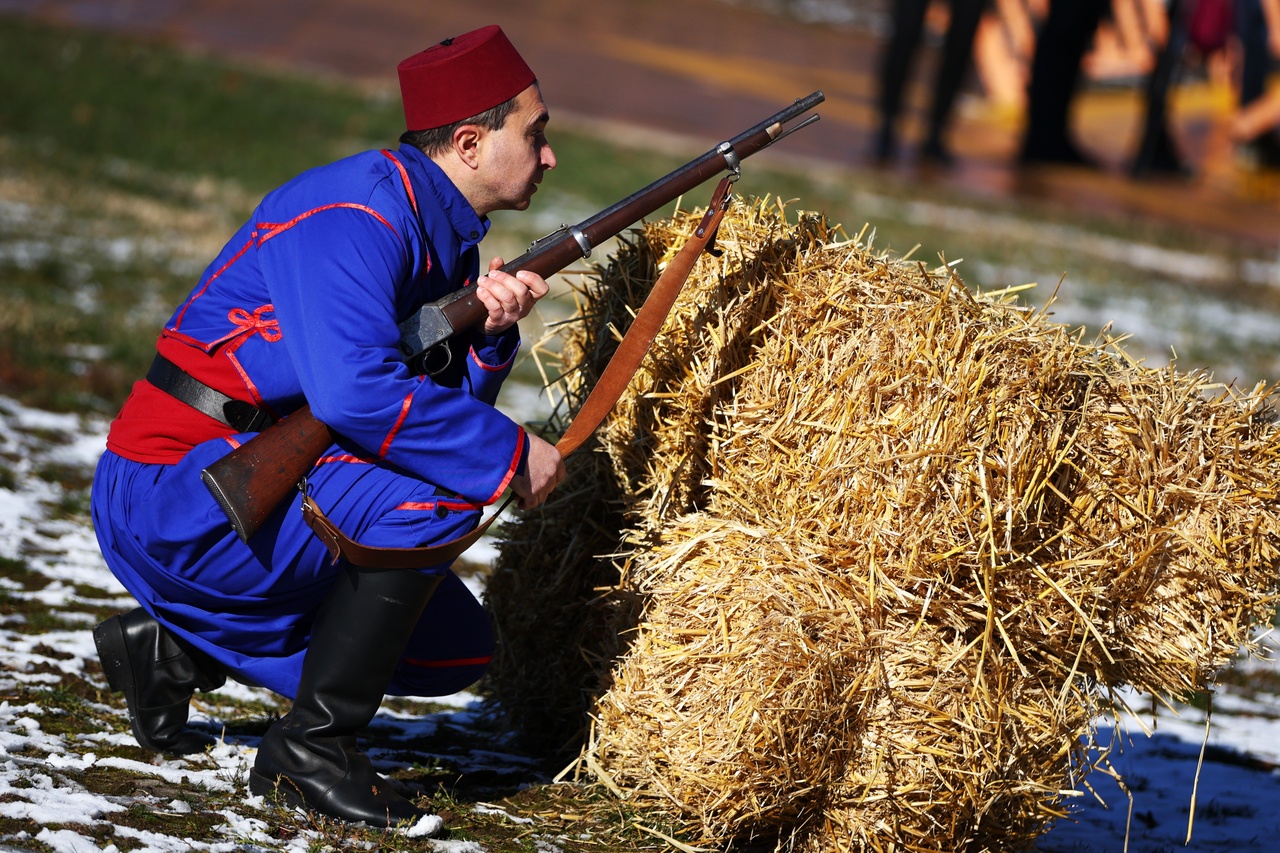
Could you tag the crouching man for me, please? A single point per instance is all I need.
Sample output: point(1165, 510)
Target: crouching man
point(303, 306)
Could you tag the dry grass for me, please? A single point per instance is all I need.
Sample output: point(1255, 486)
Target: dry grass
point(862, 553)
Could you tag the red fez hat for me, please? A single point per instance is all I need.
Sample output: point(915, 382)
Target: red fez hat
point(461, 77)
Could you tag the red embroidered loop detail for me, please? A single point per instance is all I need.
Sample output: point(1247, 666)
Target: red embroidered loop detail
point(251, 323)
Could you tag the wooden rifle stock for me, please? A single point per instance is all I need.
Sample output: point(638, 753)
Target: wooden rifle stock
point(255, 478)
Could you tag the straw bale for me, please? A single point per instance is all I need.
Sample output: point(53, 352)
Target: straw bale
point(862, 553)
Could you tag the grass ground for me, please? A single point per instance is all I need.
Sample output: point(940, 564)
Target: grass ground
point(125, 164)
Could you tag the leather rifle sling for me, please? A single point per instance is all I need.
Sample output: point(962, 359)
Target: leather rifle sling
point(613, 381)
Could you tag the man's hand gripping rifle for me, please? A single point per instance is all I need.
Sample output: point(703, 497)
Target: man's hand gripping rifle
point(251, 481)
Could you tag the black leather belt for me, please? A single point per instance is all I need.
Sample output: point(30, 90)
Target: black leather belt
point(177, 383)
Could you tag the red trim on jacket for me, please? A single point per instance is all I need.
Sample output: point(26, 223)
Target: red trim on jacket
point(442, 664)
point(344, 457)
point(430, 506)
point(200, 292)
point(274, 229)
point(413, 201)
point(404, 179)
point(404, 414)
point(265, 231)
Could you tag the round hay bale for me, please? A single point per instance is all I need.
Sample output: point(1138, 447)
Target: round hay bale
point(877, 547)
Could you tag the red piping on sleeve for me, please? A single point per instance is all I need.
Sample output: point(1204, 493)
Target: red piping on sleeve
point(511, 470)
point(490, 367)
point(404, 413)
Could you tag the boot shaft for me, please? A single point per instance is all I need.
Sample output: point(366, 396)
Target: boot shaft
point(310, 758)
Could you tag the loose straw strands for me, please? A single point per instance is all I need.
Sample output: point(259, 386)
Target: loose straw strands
point(861, 552)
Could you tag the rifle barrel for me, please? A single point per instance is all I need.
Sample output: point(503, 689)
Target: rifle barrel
point(642, 202)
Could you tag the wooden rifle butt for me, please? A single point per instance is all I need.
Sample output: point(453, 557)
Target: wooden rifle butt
point(252, 480)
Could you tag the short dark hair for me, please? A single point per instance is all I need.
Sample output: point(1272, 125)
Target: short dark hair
point(437, 139)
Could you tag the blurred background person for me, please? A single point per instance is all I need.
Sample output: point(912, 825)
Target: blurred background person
point(1060, 48)
point(1202, 30)
point(1120, 49)
point(896, 65)
point(1254, 128)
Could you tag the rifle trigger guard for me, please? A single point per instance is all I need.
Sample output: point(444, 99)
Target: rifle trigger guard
point(583, 243)
point(433, 361)
point(731, 158)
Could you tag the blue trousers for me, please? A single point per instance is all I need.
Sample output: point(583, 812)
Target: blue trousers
point(250, 606)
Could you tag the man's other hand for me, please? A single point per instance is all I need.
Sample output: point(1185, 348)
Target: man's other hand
point(543, 472)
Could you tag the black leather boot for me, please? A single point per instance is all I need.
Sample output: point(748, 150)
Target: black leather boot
point(309, 758)
point(158, 674)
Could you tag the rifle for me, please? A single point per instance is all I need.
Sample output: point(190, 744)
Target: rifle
point(252, 480)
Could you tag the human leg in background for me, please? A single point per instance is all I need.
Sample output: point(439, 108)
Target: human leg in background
point(1251, 31)
point(1156, 150)
point(1055, 77)
point(957, 54)
point(895, 68)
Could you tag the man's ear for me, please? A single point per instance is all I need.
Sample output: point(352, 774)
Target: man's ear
point(466, 144)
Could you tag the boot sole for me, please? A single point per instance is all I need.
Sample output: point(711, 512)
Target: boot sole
point(279, 791)
point(282, 793)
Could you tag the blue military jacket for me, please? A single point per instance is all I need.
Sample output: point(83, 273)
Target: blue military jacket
point(303, 304)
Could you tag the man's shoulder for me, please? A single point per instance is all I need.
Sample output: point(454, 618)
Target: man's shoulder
point(367, 178)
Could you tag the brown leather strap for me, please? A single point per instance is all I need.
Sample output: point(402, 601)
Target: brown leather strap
point(648, 322)
point(370, 557)
point(613, 381)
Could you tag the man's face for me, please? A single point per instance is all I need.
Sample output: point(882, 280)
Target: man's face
point(515, 156)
